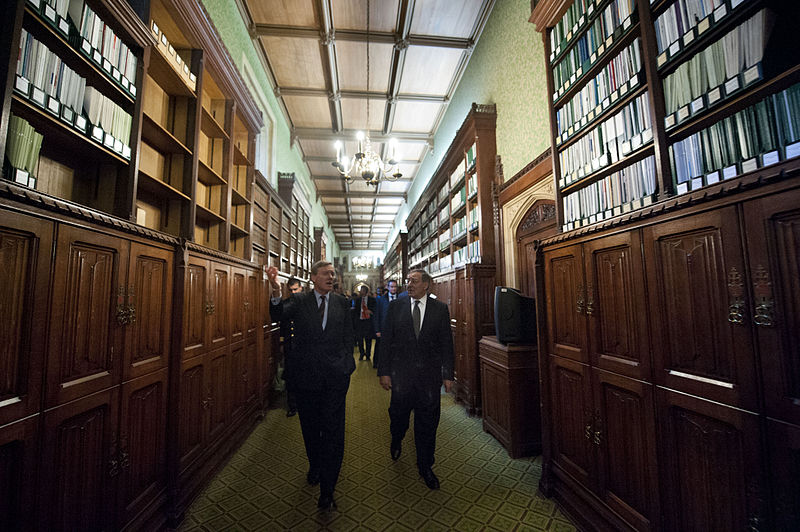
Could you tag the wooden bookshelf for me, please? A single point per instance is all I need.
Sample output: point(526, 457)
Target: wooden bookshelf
point(629, 315)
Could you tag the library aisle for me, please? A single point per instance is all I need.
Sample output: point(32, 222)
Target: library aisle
point(263, 486)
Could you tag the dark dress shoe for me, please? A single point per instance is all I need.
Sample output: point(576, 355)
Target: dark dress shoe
point(291, 413)
point(312, 477)
point(326, 503)
point(395, 449)
point(430, 479)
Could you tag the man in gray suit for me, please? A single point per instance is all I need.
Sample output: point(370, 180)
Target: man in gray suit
point(320, 364)
point(416, 358)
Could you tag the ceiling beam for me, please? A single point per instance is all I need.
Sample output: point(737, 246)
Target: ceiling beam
point(277, 30)
point(327, 194)
point(330, 70)
point(327, 134)
point(404, 16)
point(361, 95)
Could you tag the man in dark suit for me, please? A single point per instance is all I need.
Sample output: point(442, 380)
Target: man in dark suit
point(379, 319)
point(320, 365)
point(364, 307)
point(287, 333)
point(417, 357)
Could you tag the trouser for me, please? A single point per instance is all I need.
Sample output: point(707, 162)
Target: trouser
point(322, 423)
point(424, 400)
point(364, 338)
point(376, 353)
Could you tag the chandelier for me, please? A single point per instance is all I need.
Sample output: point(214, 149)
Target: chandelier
point(366, 164)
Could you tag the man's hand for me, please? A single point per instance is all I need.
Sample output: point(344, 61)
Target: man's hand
point(386, 382)
point(272, 275)
point(377, 335)
point(448, 386)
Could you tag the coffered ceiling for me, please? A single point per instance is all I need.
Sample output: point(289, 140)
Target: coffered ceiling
point(316, 54)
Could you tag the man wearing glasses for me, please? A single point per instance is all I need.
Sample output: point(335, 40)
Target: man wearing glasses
point(416, 358)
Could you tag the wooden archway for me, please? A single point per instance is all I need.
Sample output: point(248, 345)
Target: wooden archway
point(537, 224)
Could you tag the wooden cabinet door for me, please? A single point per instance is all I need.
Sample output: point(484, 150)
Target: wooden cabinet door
point(87, 307)
point(219, 392)
point(711, 464)
point(142, 443)
point(784, 475)
point(19, 451)
point(150, 318)
point(566, 303)
point(702, 342)
point(219, 292)
point(237, 304)
point(80, 464)
point(615, 305)
point(773, 242)
point(196, 308)
point(238, 378)
point(193, 406)
point(624, 431)
point(252, 306)
point(25, 247)
point(571, 400)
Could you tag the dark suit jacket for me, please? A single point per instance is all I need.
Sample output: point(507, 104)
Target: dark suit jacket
point(316, 354)
point(371, 304)
point(428, 358)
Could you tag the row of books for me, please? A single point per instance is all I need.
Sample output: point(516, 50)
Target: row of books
point(630, 188)
point(473, 219)
point(459, 226)
point(675, 31)
point(615, 137)
point(471, 156)
point(444, 214)
point(177, 62)
point(586, 49)
point(738, 51)
point(443, 193)
point(103, 112)
point(679, 18)
point(100, 36)
point(457, 175)
point(472, 186)
point(458, 200)
point(618, 72)
point(45, 70)
point(23, 145)
point(757, 136)
point(570, 23)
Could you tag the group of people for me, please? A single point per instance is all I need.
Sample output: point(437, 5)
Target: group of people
point(414, 358)
point(369, 318)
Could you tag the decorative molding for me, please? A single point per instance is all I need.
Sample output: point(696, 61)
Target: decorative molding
point(401, 44)
point(547, 13)
point(537, 215)
point(327, 38)
point(130, 22)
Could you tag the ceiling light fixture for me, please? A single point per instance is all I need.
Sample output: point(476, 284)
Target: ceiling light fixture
point(366, 164)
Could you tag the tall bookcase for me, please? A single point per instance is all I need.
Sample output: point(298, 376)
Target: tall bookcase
point(451, 234)
point(395, 265)
point(668, 301)
point(137, 241)
point(648, 103)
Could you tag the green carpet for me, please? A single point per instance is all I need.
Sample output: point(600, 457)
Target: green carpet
point(263, 486)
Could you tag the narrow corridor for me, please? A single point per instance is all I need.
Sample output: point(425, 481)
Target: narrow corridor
point(263, 486)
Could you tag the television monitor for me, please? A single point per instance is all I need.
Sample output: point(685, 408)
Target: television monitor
point(514, 316)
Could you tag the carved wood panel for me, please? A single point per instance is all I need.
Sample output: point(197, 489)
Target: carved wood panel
point(624, 433)
point(238, 391)
point(252, 307)
point(712, 459)
point(784, 474)
point(81, 464)
point(220, 293)
point(615, 305)
point(197, 307)
point(251, 375)
point(19, 446)
point(25, 247)
point(218, 391)
point(149, 302)
point(566, 303)
point(495, 400)
point(142, 443)
point(699, 306)
point(238, 319)
point(774, 253)
point(85, 351)
point(572, 406)
point(194, 405)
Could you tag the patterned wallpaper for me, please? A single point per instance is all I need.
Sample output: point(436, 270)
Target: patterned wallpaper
point(507, 68)
point(231, 28)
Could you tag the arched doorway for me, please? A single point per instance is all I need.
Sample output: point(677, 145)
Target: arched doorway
point(537, 224)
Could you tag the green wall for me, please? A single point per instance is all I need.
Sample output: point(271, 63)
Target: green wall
point(229, 24)
point(507, 68)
